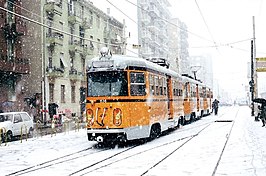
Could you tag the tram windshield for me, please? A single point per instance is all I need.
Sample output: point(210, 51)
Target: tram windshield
point(112, 83)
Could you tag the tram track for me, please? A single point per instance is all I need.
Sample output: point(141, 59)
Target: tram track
point(118, 156)
point(186, 138)
point(225, 144)
point(220, 155)
point(135, 154)
point(55, 161)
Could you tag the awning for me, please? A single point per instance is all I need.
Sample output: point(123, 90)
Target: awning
point(63, 61)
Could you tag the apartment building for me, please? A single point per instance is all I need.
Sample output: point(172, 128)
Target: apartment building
point(56, 39)
point(17, 38)
point(75, 32)
point(153, 28)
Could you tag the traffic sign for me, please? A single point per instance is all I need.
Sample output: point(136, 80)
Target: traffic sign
point(261, 64)
point(134, 46)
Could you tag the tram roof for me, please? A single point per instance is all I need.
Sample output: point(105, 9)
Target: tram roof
point(120, 62)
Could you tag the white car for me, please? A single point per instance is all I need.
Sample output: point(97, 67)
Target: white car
point(15, 124)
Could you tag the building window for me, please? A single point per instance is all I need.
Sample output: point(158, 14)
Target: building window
point(63, 92)
point(82, 12)
point(91, 43)
point(72, 29)
point(50, 57)
point(91, 18)
point(72, 56)
point(63, 64)
point(51, 92)
point(61, 24)
point(98, 44)
point(98, 21)
point(82, 35)
point(71, 10)
point(73, 97)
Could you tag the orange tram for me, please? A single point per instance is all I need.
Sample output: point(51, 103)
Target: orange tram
point(132, 98)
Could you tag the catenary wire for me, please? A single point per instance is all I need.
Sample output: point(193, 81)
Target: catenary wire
point(86, 39)
point(205, 22)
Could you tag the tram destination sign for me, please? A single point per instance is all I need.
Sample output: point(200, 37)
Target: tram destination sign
point(103, 64)
point(261, 64)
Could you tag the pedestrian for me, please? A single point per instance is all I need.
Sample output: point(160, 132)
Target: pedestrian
point(215, 106)
point(263, 114)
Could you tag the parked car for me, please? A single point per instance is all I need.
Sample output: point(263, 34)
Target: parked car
point(15, 124)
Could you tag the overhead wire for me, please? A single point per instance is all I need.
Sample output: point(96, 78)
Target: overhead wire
point(55, 29)
point(122, 12)
point(222, 44)
point(205, 22)
point(86, 39)
point(169, 22)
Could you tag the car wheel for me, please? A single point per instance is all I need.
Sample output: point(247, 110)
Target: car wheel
point(9, 136)
point(30, 134)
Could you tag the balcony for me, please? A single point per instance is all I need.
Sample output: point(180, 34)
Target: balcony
point(86, 24)
point(55, 72)
point(15, 65)
point(106, 33)
point(72, 19)
point(75, 47)
point(53, 8)
point(154, 28)
point(154, 12)
point(55, 38)
point(145, 2)
point(11, 32)
point(74, 74)
point(87, 51)
point(21, 27)
point(146, 36)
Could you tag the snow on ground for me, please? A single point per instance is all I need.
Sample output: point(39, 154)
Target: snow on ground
point(244, 154)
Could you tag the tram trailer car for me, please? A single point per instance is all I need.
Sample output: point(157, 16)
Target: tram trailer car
point(197, 99)
point(131, 98)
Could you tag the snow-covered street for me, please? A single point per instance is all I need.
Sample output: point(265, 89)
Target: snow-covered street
point(231, 143)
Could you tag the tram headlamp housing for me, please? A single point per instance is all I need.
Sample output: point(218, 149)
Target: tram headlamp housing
point(117, 116)
point(89, 117)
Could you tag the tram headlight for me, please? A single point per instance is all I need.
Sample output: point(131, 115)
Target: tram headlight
point(89, 116)
point(117, 116)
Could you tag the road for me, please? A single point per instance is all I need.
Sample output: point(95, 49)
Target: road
point(193, 149)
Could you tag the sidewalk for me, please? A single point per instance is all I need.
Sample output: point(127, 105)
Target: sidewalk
point(245, 153)
point(41, 129)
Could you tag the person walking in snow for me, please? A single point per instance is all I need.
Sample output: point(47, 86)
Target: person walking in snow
point(215, 106)
point(262, 114)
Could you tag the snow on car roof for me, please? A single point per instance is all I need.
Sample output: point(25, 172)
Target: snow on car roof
point(6, 113)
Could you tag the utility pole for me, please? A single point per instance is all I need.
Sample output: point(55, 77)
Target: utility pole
point(251, 82)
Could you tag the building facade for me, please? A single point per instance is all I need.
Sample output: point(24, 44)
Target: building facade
point(17, 54)
point(153, 28)
point(75, 32)
point(183, 46)
point(44, 62)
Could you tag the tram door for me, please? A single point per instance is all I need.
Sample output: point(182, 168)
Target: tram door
point(198, 97)
point(169, 97)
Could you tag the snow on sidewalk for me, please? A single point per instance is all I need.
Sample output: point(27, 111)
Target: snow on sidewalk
point(245, 153)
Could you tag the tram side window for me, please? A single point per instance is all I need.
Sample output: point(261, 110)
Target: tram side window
point(151, 85)
point(137, 84)
point(186, 91)
point(156, 79)
point(161, 86)
point(164, 86)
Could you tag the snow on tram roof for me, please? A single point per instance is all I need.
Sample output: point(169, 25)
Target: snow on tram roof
point(123, 61)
